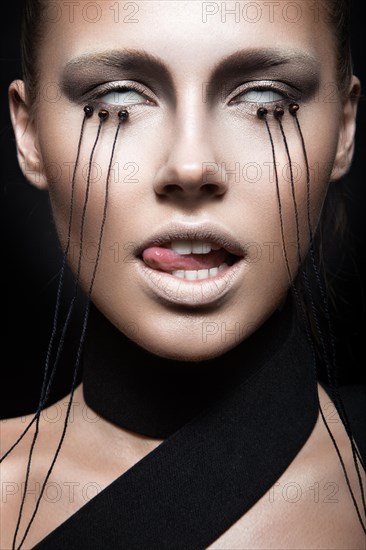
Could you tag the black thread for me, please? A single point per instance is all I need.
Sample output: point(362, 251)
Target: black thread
point(41, 402)
point(337, 399)
point(316, 318)
point(62, 339)
point(262, 115)
point(344, 471)
point(279, 120)
point(319, 281)
point(85, 321)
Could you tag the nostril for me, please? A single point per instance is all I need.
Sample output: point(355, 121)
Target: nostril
point(211, 189)
point(207, 188)
point(171, 188)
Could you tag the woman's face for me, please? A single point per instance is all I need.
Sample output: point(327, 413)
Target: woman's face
point(193, 166)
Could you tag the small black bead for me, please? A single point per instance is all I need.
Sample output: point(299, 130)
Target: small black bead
point(293, 108)
point(262, 112)
point(103, 114)
point(123, 115)
point(89, 110)
point(278, 111)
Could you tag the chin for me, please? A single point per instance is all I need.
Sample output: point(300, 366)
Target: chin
point(202, 341)
point(181, 351)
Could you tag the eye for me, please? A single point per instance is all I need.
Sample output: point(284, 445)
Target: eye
point(258, 95)
point(126, 96)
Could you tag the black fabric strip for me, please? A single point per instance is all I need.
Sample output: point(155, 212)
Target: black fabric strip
point(154, 396)
point(190, 489)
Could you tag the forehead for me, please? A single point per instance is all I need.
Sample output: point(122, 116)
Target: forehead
point(190, 36)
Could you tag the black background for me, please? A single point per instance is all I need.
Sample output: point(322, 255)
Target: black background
point(32, 260)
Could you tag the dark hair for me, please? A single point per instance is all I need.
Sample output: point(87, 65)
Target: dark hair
point(318, 328)
point(34, 26)
point(336, 13)
point(339, 16)
point(332, 225)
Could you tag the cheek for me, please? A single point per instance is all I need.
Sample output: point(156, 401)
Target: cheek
point(244, 158)
point(242, 151)
point(304, 157)
point(250, 209)
point(265, 180)
point(77, 176)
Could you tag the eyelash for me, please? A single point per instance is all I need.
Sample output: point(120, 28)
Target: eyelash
point(288, 95)
point(96, 98)
point(265, 86)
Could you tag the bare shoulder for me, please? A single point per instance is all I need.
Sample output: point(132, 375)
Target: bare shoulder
point(16, 439)
point(310, 505)
point(11, 429)
point(13, 469)
point(11, 474)
point(16, 435)
point(326, 516)
point(77, 475)
point(328, 463)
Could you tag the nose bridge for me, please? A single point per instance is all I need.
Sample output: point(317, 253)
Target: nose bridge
point(189, 173)
point(191, 147)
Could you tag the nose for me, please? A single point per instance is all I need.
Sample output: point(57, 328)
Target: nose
point(192, 172)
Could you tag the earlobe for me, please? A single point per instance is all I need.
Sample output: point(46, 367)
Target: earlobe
point(346, 139)
point(29, 157)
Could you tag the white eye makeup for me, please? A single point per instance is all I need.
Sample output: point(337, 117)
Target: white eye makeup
point(124, 97)
point(260, 96)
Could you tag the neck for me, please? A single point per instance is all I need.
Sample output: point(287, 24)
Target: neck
point(153, 396)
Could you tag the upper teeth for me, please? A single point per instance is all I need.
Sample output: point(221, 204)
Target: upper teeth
point(192, 247)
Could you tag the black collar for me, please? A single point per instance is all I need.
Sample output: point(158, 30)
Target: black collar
point(212, 469)
point(152, 396)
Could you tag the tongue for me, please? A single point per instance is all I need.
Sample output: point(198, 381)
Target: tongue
point(165, 259)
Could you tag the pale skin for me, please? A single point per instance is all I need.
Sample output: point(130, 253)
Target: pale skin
point(308, 507)
point(170, 138)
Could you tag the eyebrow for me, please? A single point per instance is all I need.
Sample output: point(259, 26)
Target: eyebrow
point(114, 64)
point(140, 64)
point(258, 59)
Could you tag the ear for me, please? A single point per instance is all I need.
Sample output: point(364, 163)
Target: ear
point(346, 140)
point(29, 157)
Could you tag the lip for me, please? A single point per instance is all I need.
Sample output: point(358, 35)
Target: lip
point(182, 291)
point(207, 232)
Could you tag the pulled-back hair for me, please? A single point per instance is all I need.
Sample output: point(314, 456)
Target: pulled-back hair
point(34, 28)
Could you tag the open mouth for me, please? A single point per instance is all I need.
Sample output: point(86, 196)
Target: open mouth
point(193, 265)
point(189, 259)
